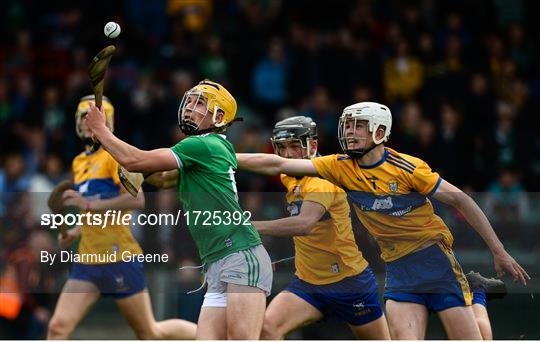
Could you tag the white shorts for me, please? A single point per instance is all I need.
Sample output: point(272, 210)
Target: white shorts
point(250, 267)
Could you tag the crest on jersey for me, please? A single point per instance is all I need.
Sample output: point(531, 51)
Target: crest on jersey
point(393, 185)
point(297, 190)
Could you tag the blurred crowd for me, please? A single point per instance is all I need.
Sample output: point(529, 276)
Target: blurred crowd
point(461, 78)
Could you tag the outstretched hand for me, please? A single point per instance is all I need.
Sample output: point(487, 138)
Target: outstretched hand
point(504, 262)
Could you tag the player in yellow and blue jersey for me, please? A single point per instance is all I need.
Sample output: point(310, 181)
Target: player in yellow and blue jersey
point(100, 270)
point(333, 280)
point(391, 194)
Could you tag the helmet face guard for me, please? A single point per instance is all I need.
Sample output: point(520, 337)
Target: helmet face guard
point(190, 126)
point(299, 129)
point(375, 115)
point(216, 100)
point(284, 140)
point(345, 139)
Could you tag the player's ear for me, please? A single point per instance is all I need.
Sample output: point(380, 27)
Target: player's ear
point(314, 144)
point(219, 116)
point(380, 132)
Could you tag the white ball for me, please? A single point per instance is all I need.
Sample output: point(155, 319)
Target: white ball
point(111, 29)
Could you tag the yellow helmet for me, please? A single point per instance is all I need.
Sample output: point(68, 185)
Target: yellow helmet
point(217, 99)
point(84, 106)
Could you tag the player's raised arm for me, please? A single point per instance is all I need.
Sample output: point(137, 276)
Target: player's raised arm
point(130, 157)
point(298, 225)
point(271, 164)
point(451, 195)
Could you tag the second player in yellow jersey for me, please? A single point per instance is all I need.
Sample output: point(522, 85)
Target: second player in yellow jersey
point(101, 269)
point(95, 177)
point(333, 280)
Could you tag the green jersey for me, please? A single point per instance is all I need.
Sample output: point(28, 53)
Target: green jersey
point(207, 190)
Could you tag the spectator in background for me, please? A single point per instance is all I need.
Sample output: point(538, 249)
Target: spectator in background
point(427, 143)
point(54, 116)
point(362, 93)
point(520, 49)
point(147, 18)
point(452, 80)
point(213, 65)
point(403, 74)
point(193, 15)
point(504, 137)
point(451, 144)
point(507, 203)
point(427, 54)
point(13, 179)
point(408, 124)
point(504, 77)
point(454, 29)
point(305, 73)
point(23, 98)
point(269, 79)
point(143, 102)
point(43, 182)
point(496, 54)
point(36, 283)
point(480, 106)
point(323, 111)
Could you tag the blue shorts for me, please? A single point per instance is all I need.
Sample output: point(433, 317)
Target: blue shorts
point(431, 277)
point(479, 297)
point(353, 300)
point(118, 280)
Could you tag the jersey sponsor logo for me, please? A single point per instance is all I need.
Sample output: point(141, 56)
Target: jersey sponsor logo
point(386, 204)
point(395, 205)
point(382, 203)
point(293, 208)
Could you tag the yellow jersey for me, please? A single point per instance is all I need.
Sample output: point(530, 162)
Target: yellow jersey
point(329, 252)
point(391, 199)
point(95, 177)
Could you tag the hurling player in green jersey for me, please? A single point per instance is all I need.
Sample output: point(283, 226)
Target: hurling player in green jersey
point(238, 268)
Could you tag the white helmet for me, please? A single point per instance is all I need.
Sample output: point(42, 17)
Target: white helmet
point(375, 114)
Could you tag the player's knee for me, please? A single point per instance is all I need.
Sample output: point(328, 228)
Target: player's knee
point(148, 333)
point(242, 332)
point(59, 328)
point(271, 331)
